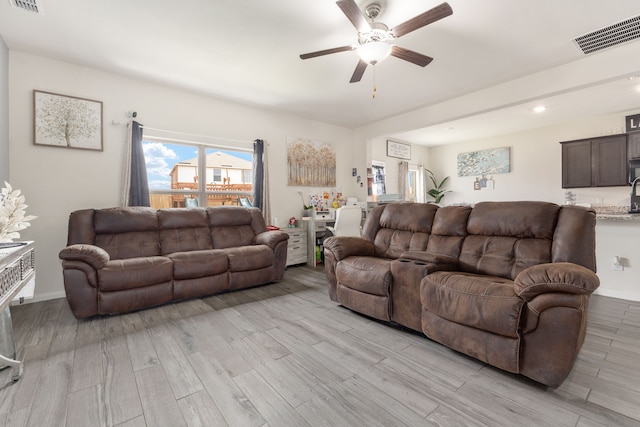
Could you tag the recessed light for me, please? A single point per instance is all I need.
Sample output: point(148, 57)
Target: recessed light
point(539, 108)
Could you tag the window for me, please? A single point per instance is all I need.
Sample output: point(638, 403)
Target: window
point(247, 176)
point(217, 175)
point(377, 181)
point(412, 182)
point(174, 171)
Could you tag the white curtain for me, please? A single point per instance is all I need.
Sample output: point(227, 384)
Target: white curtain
point(403, 181)
point(420, 185)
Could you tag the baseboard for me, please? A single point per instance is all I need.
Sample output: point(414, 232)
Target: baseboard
point(43, 297)
point(631, 296)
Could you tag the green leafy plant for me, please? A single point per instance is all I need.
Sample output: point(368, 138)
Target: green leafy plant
point(437, 192)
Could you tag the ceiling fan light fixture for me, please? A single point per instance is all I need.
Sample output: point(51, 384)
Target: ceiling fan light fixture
point(374, 52)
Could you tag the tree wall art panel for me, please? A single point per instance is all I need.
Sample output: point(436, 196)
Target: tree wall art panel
point(67, 121)
point(311, 163)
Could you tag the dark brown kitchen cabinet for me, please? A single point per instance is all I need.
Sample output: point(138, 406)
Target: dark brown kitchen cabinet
point(633, 145)
point(595, 162)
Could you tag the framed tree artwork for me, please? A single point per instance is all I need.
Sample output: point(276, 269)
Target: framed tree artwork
point(310, 163)
point(67, 121)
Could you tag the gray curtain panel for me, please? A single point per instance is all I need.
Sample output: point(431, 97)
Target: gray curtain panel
point(258, 174)
point(139, 186)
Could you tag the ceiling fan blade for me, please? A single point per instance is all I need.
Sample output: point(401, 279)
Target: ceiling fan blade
point(359, 71)
point(411, 56)
point(426, 18)
point(326, 52)
point(353, 13)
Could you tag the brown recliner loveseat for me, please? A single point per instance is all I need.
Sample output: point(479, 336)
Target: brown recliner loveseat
point(507, 283)
point(124, 259)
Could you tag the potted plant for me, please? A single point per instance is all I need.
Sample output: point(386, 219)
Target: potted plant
point(13, 217)
point(437, 192)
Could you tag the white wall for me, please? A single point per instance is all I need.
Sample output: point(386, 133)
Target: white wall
point(536, 174)
point(57, 180)
point(4, 113)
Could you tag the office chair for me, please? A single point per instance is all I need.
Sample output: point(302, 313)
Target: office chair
point(348, 220)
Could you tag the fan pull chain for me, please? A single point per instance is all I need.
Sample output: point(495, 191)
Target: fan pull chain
point(375, 89)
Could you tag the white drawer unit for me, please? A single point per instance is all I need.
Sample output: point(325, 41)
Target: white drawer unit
point(297, 245)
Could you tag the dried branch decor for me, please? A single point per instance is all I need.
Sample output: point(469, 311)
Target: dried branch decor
point(13, 217)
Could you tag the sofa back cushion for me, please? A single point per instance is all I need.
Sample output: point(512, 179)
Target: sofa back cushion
point(574, 239)
point(449, 231)
point(396, 228)
point(183, 230)
point(232, 226)
point(127, 232)
point(504, 238)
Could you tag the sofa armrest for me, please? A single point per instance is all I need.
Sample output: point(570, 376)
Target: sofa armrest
point(555, 277)
point(345, 246)
point(271, 238)
point(90, 254)
point(429, 258)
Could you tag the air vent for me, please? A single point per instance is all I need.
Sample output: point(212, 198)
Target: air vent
point(612, 35)
point(33, 6)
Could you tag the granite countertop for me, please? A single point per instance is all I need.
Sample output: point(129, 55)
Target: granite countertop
point(615, 212)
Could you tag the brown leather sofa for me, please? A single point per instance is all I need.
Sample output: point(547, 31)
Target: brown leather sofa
point(507, 283)
point(124, 259)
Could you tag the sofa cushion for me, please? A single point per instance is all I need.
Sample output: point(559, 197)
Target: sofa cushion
point(234, 226)
point(196, 264)
point(127, 232)
point(507, 237)
point(402, 229)
point(183, 230)
point(478, 301)
point(130, 245)
point(252, 257)
point(535, 220)
point(502, 256)
point(449, 231)
point(132, 273)
point(365, 274)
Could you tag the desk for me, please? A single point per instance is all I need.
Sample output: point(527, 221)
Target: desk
point(316, 232)
point(17, 282)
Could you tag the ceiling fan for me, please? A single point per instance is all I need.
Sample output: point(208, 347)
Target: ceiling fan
point(374, 37)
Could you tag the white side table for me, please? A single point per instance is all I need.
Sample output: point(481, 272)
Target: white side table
point(17, 282)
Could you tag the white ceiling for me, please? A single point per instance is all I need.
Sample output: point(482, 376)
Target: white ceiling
point(247, 51)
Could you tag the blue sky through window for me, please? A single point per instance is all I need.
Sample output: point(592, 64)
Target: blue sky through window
point(161, 157)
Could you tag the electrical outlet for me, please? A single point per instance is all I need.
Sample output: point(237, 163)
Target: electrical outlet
point(616, 263)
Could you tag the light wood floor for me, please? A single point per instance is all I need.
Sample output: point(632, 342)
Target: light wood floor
point(285, 355)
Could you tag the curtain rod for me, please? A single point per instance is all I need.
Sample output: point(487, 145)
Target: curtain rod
point(195, 135)
point(226, 147)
